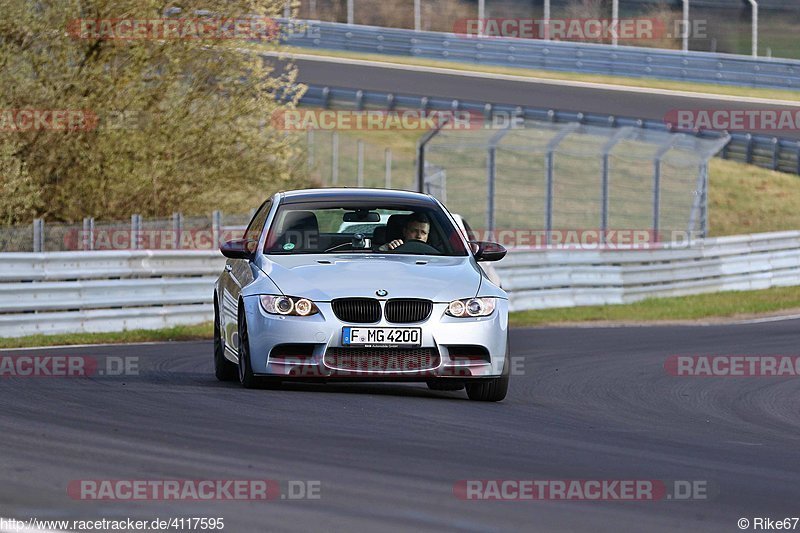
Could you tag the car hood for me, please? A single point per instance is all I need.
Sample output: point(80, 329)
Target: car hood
point(326, 277)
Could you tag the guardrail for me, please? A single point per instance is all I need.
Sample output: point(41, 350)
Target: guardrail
point(761, 150)
point(67, 292)
point(62, 292)
point(562, 278)
point(589, 58)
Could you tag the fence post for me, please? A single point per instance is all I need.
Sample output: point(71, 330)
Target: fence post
point(548, 209)
point(619, 135)
point(748, 158)
point(360, 161)
point(177, 228)
point(491, 171)
point(491, 177)
point(776, 150)
point(604, 201)
point(387, 177)
point(310, 149)
point(326, 97)
point(662, 150)
point(704, 203)
point(38, 235)
point(656, 196)
point(546, 18)
point(551, 148)
point(335, 158)
point(87, 238)
point(422, 143)
point(216, 227)
point(136, 226)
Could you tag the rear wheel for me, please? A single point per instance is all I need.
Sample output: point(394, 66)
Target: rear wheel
point(224, 370)
point(493, 389)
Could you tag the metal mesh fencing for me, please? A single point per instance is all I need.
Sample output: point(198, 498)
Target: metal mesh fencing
point(334, 159)
point(557, 179)
point(174, 233)
point(537, 178)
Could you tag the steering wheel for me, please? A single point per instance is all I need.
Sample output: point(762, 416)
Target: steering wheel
point(414, 246)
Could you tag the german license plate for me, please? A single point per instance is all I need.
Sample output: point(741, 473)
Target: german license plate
point(369, 337)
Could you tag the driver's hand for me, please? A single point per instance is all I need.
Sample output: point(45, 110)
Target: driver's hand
point(391, 245)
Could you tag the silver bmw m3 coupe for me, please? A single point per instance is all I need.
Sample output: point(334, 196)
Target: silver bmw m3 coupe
point(360, 284)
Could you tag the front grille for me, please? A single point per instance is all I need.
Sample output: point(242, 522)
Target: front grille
point(401, 311)
point(382, 359)
point(357, 310)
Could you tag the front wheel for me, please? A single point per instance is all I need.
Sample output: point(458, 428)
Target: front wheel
point(246, 376)
point(493, 389)
point(224, 370)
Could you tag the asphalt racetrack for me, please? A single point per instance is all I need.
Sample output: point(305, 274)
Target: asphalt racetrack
point(585, 404)
point(635, 103)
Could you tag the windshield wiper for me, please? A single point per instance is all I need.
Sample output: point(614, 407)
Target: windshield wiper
point(332, 248)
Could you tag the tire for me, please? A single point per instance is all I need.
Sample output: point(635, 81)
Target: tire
point(245, 371)
point(493, 389)
point(224, 370)
point(445, 384)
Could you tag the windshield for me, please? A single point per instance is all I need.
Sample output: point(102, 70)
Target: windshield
point(331, 228)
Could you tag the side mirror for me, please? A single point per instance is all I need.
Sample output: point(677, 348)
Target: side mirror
point(487, 251)
point(238, 248)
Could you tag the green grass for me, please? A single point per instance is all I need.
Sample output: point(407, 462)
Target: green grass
point(709, 88)
point(701, 306)
point(176, 333)
point(748, 199)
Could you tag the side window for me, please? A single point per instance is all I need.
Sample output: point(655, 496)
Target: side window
point(256, 225)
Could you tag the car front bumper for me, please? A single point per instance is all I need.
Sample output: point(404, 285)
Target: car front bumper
point(447, 339)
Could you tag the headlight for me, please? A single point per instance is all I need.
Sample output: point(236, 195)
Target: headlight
point(471, 307)
point(288, 305)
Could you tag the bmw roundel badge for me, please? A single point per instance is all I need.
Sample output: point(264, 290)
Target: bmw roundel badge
point(381, 292)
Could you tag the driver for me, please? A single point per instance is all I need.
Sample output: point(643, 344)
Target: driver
point(416, 228)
